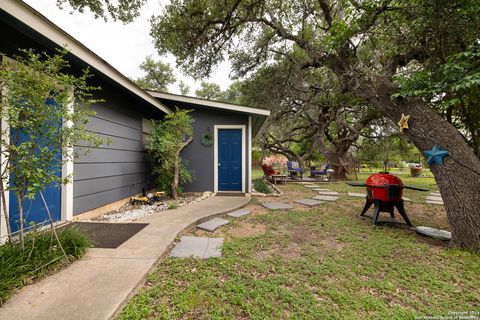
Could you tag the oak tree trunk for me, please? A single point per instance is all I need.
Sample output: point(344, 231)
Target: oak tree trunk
point(458, 178)
point(335, 160)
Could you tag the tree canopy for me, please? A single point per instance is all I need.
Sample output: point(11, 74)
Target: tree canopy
point(158, 75)
point(370, 46)
point(123, 10)
point(210, 91)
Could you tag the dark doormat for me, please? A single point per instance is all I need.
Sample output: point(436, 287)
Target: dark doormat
point(107, 235)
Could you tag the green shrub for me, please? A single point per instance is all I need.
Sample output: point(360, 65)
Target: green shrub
point(42, 254)
point(261, 186)
point(164, 178)
point(169, 137)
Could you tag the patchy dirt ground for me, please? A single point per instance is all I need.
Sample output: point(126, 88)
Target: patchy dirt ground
point(316, 263)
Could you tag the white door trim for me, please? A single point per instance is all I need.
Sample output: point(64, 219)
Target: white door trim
point(5, 133)
point(6, 136)
point(66, 201)
point(249, 154)
point(215, 154)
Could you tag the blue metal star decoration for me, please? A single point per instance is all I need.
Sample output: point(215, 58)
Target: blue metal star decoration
point(435, 155)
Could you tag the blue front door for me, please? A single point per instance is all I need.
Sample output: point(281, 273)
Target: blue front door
point(34, 211)
point(230, 160)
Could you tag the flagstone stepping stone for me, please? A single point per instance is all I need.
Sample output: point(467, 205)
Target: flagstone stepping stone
point(311, 186)
point(435, 202)
point(309, 202)
point(325, 198)
point(433, 198)
point(316, 189)
point(435, 194)
point(198, 247)
point(434, 233)
point(239, 213)
point(328, 193)
point(276, 205)
point(356, 194)
point(407, 199)
point(212, 224)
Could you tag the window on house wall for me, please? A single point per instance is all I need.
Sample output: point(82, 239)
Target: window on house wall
point(146, 131)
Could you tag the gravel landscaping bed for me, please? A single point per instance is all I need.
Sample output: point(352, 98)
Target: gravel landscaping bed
point(130, 212)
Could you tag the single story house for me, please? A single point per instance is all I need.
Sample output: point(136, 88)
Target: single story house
point(107, 176)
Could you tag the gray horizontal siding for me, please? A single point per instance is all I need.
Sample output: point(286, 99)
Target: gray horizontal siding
point(86, 187)
point(200, 158)
point(108, 173)
point(110, 155)
point(104, 126)
point(82, 204)
point(87, 171)
point(113, 171)
point(127, 118)
point(118, 143)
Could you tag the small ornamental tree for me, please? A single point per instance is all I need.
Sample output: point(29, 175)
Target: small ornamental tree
point(169, 137)
point(46, 109)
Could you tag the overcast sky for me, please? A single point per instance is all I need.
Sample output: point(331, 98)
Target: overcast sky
point(123, 46)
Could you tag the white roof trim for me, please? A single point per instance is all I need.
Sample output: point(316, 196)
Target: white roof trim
point(41, 24)
point(210, 103)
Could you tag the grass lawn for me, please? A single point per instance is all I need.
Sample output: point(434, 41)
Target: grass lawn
point(323, 263)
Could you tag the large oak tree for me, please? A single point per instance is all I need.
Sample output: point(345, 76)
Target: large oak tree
point(366, 44)
point(310, 114)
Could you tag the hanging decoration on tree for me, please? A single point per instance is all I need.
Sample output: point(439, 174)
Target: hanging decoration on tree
point(207, 137)
point(435, 155)
point(403, 123)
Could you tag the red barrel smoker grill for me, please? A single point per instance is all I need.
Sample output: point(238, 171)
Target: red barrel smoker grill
point(384, 191)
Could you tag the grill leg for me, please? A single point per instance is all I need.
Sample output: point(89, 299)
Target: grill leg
point(376, 211)
point(392, 208)
point(403, 213)
point(367, 206)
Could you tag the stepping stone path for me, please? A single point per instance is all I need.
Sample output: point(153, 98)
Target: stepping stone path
point(309, 202)
point(325, 198)
point(198, 247)
point(435, 202)
point(311, 186)
point(276, 205)
point(239, 213)
point(356, 194)
point(434, 233)
point(322, 189)
point(434, 198)
point(407, 199)
point(328, 193)
point(212, 224)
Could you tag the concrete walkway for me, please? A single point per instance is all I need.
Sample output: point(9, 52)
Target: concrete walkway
point(97, 286)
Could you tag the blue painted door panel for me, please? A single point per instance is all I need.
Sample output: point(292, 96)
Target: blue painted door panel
point(34, 211)
point(230, 160)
